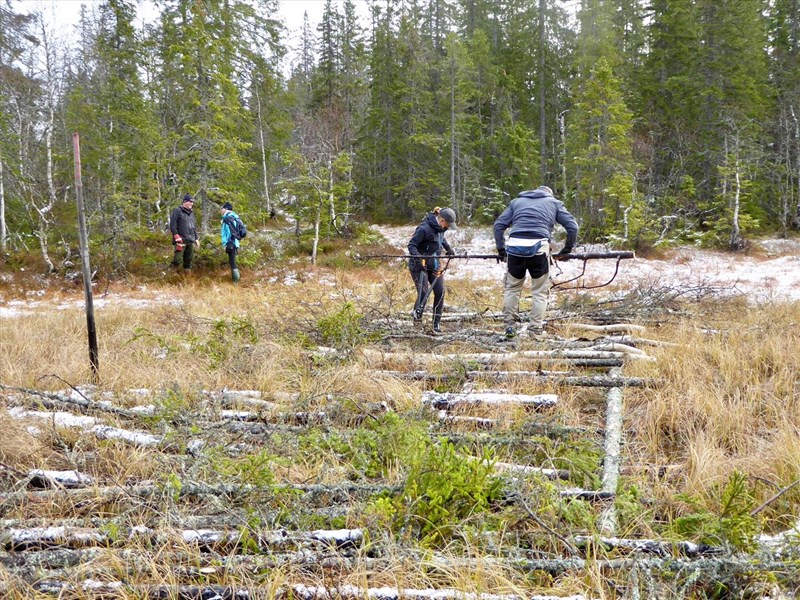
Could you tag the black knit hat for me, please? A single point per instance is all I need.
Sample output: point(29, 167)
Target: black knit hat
point(227, 206)
point(188, 198)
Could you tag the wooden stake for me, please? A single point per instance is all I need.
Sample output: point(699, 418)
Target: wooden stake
point(87, 272)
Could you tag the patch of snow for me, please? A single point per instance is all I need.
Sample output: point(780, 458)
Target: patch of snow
point(237, 415)
point(19, 308)
point(137, 438)
point(54, 534)
point(387, 593)
point(779, 543)
point(776, 277)
point(339, 536)
point(65, 478)
point(194, 447)
point(58, 418)
point(205, 536)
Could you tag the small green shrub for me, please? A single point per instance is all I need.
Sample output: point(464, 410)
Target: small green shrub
point(443, 488)
point(342, 329)
point(729, 522)
point(251, 469)
point(226, 337)
point(372, 450)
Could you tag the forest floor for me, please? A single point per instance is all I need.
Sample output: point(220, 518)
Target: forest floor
point(296, 435)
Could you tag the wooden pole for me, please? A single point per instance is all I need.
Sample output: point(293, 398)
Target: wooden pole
point(87, 272)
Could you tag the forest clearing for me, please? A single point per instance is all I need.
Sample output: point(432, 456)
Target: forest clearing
point(296, 435)
point(292, 425)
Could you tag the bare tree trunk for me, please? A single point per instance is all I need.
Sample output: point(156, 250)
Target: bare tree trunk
point(3, 231)
point(331, 198)
point(317, 219)
point(735, 242)
point(563, 132)
point(797, 159)
point(452, 133)
point(542, 103)
point(263, 153)
point(43, 211)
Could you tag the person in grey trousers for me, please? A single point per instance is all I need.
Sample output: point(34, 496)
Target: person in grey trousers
point(531, 217)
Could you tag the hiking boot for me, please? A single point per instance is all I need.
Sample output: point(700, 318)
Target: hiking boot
point(235, 275)
point(510, 333)
point(538, 333)
point(417, 315)
point(437, 327)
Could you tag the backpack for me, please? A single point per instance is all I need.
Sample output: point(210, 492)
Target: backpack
point(236, 227)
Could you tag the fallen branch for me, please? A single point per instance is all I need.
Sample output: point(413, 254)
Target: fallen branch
point(18, 539)
point(657, 547)
point(52, 401)
point(602, 381)
point(614, 328)
point(448, 400)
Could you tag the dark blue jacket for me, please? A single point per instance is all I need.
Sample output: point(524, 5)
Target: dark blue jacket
point(428, 239)
point(532, 215)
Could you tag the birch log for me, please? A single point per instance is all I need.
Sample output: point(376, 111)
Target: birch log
point(611, 460)
point(448, 400)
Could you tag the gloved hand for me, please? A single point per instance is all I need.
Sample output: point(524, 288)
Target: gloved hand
point(451, 252)
point(562, 254)
point(178, 241)
point(502, 255)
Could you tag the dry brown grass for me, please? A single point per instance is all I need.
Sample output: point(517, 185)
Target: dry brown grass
point(729, 399)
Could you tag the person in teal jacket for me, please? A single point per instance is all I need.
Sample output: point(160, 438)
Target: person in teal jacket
point(229, 242)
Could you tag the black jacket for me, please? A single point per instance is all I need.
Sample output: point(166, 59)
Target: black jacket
point(428, 239)
point(182, 222)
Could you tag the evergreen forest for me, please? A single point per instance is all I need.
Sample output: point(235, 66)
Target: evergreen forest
point(657, 122)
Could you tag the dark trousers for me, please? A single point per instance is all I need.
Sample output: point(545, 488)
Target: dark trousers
point(232, 252)
point(188, 254)
point(535, 265)
point(423, 278)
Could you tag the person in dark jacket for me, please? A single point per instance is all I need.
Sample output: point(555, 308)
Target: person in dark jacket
point(531, 217)
point(184, 233)
point(428, 240)
point(230, 243)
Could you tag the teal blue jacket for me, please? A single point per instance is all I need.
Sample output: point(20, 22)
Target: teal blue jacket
point(225, 230)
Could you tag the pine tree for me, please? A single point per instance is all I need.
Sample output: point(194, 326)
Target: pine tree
point(600, 151)
point(118, 127)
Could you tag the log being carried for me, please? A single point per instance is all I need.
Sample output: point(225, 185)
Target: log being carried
point(531, 217)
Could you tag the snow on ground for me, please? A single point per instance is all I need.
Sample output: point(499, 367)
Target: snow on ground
point(774, 276)
point(143, 300)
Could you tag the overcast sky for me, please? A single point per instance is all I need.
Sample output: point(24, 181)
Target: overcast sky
point(67, 12)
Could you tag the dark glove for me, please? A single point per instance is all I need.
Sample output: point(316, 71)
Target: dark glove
point(451, 252)
point(563, 254)
point(502, 255)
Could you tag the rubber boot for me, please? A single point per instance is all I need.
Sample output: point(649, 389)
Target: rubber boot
point(235, 275)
